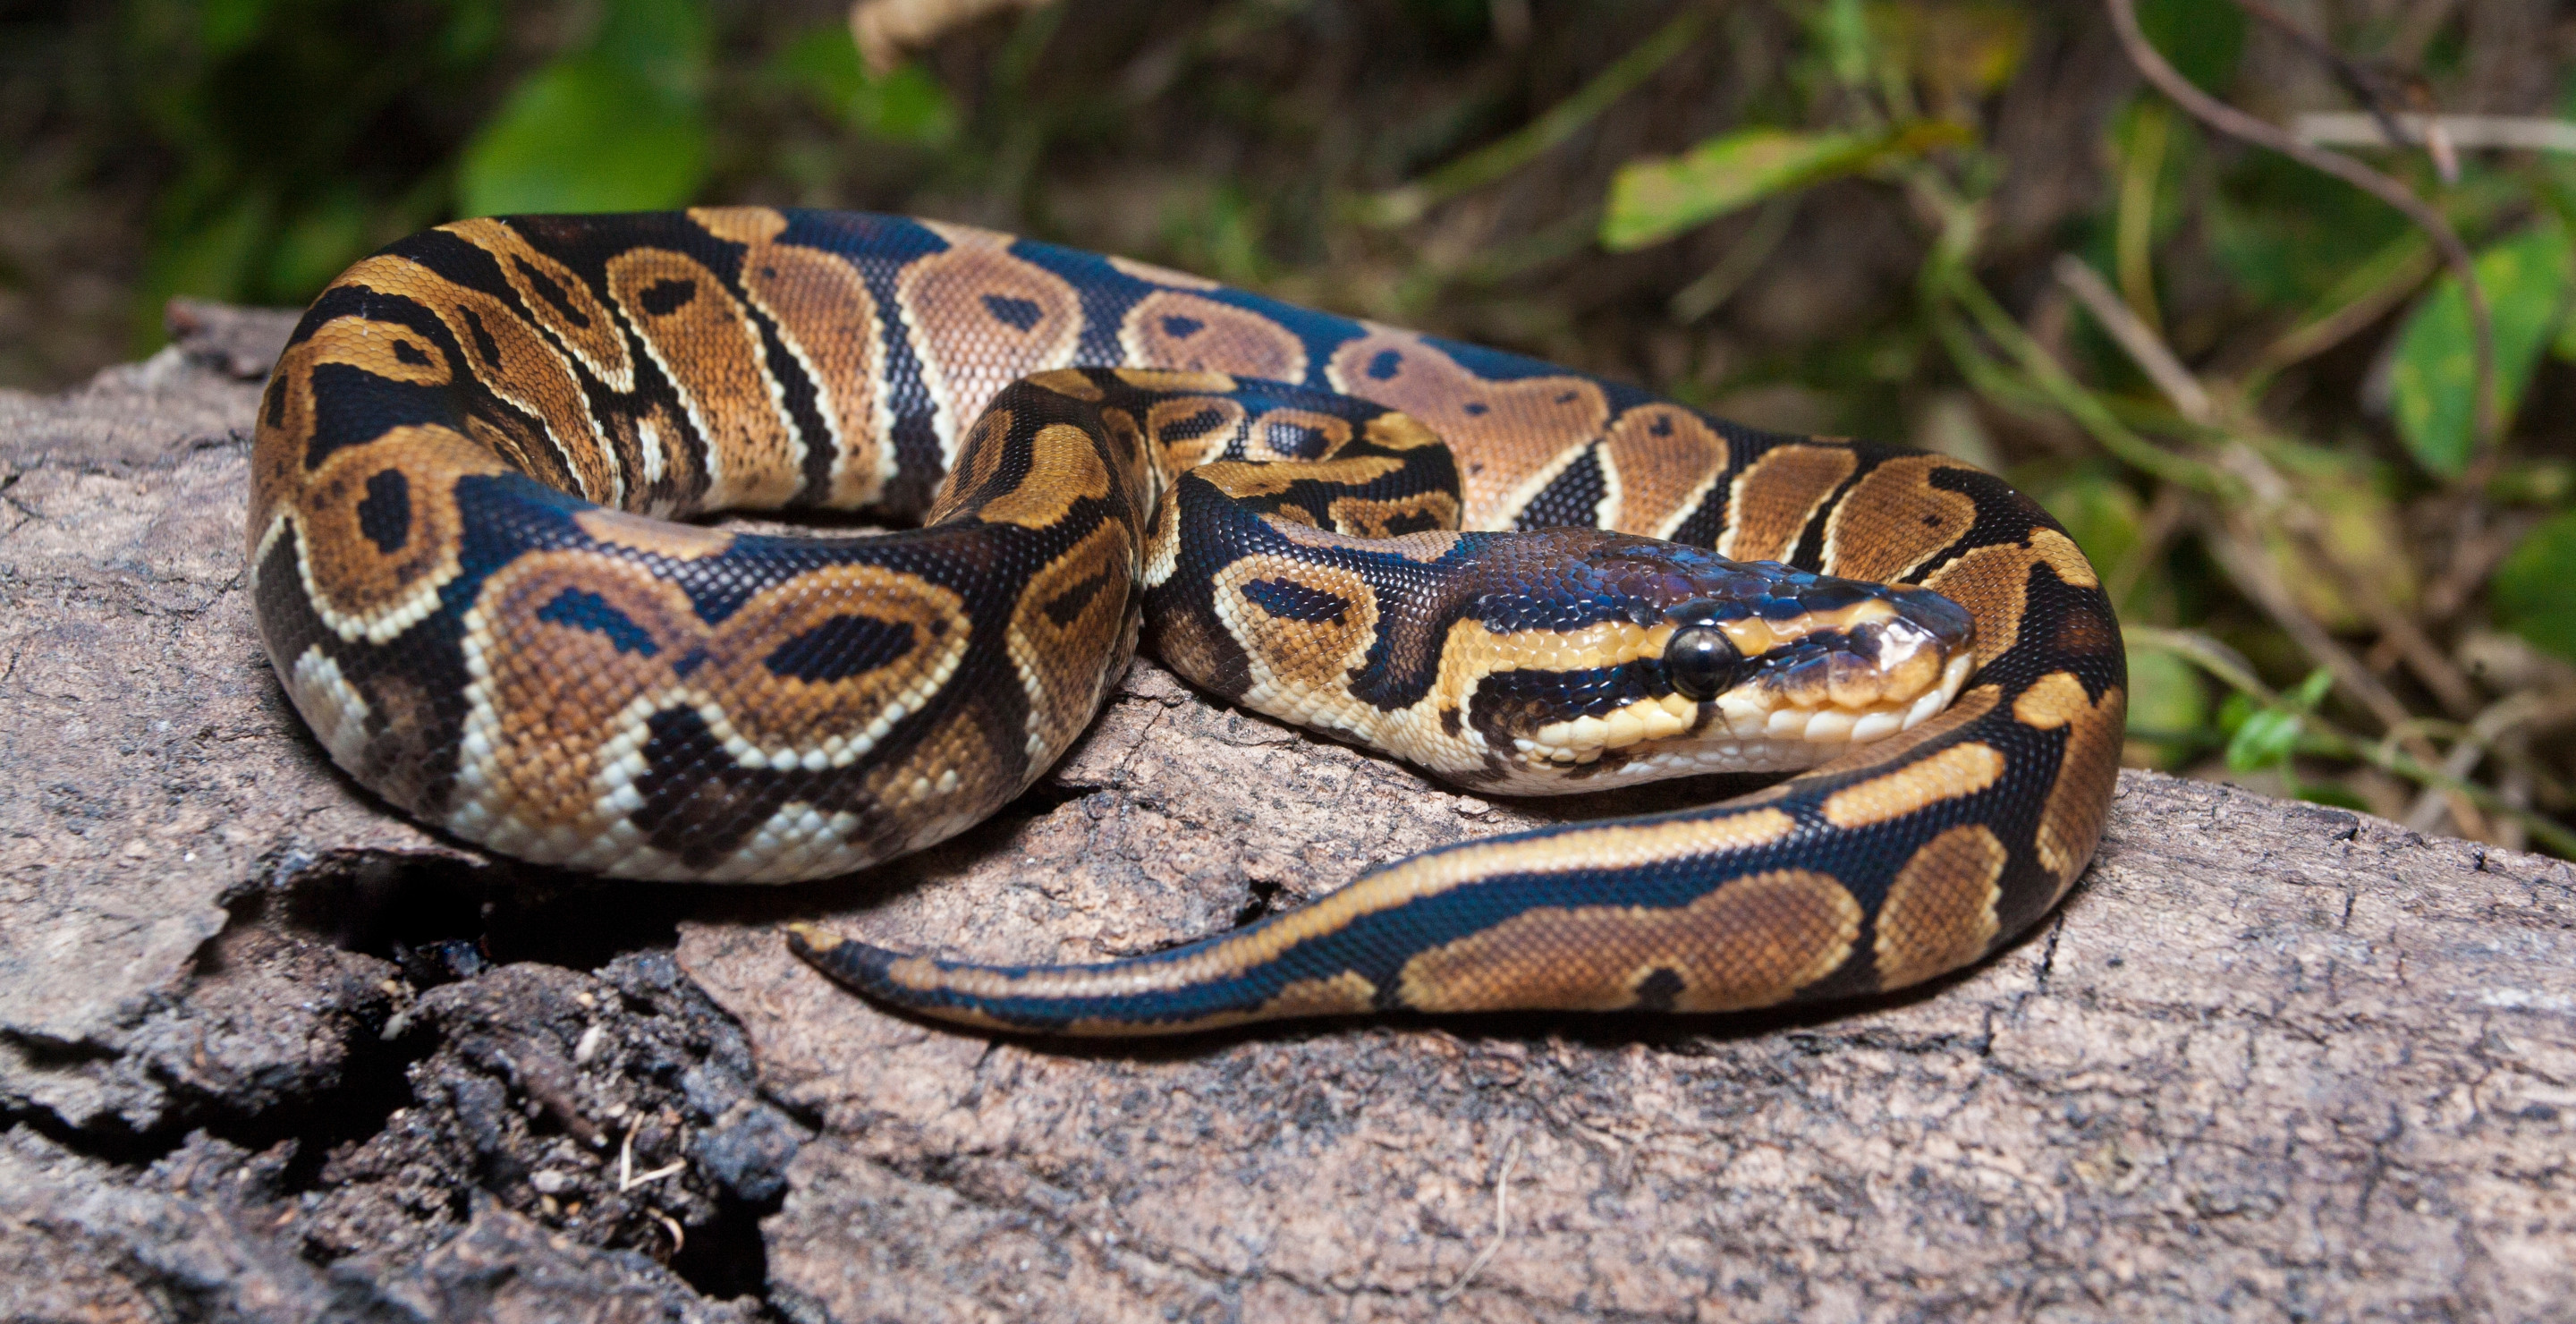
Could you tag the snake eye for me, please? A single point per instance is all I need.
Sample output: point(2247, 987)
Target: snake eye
point(1700, 661)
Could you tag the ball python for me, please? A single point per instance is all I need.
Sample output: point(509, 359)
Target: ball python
point(472, 570)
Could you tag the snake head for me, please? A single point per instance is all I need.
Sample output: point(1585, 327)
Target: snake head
point(1737, 666)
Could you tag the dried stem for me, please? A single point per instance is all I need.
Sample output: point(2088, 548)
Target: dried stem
point(2236, 123)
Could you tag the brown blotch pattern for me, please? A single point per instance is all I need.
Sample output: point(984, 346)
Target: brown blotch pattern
point(710, 349)
point(981, 319)
point(1363, 517)
point(1294, 434)
point(951, 779)
point(1960, 770)
point(1304, 656)
point(560, 301)
point(2070, 822)
point(1993, 583)
point(1064, 467)
point(1071, 622)
point(1660, 462)
point(1511, 436)
point(1753, 942)
point(1191, 430)
point(1894, 519)
point(565, 449)
point(1772, 501)
point(823, 311)
point(1185, 331)
point(1940, 912)
point(359, 587)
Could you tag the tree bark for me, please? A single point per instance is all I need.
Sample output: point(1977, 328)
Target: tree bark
point(268, 1051)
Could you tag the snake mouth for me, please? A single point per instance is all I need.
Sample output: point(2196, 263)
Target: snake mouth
point(1757, 727)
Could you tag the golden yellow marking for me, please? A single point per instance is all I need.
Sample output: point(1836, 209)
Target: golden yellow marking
point(1960, 770)
point(1064, 468)
point(1361, 517)
point(2070, 822)
point(2061, 555)
point(1606, 847)
point(661, 537)
point(1344, 994)
point(1160, 275)
point(1753, 942)
point(779, 714)
point(1893, 519)
point(709, 348)
point(828, 320)
point(1940, 912)
point(1510, 436)
point(1396, 430)
point(1071, 382)
point(1067, 666)
point(583, 323)
point(1993, 583)
point(1772, 501)
point(1662, 462)
point(1246, 478)
point(1423, 547)
point(1167, 329)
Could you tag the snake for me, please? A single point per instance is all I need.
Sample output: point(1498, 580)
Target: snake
point(481, 568)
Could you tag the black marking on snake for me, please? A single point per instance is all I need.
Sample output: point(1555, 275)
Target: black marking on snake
point(352, 406)
point(1182, 328)
point(1016, 313)
point(1295, 440)
point(1065, 607)
point(1572, 499)
point(384, 514)
point(667, 296)
point(407, 352)
point(1661, 987)
point(1289, 600)
point(552, 293)
point(484, 344)
point(580, 610)
point(840, 648)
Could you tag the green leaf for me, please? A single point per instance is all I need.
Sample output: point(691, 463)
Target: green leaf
point(2268, 738)
point(585, 134)
point(2534, 591)
point(316, 244)
point(907, 105)
point(2433, 382)
point(2202, 38)
point(662, 42)
point(1653, 200)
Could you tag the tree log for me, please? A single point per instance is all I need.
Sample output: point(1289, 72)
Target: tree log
point(268, 1051)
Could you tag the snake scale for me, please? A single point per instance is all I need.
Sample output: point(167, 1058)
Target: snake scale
point(472, 571)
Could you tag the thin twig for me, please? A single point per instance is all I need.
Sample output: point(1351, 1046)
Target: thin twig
point(2145, 347)
point(2229, 120)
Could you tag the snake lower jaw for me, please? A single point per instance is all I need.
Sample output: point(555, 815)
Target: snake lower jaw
point(1739, 732)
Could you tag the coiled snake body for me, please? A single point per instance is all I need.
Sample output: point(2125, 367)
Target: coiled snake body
point(467, 573)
